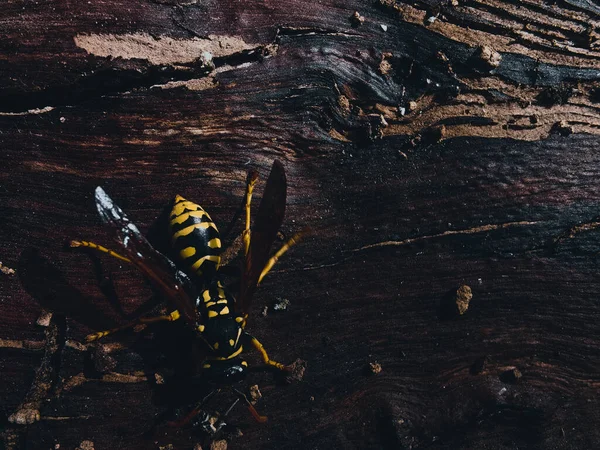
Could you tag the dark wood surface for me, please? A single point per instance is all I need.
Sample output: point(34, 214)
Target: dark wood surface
point(421, 161)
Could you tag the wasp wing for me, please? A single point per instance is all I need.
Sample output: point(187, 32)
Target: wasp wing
point(165, 276)
point(264, 231)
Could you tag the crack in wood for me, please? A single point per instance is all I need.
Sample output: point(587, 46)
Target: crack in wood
point(474, 230)
point(574, 231)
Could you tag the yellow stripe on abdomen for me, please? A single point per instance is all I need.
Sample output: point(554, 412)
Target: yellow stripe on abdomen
point(198, 264)
point(187, 230)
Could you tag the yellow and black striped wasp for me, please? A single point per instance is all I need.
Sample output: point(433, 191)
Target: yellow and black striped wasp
point(190, 278)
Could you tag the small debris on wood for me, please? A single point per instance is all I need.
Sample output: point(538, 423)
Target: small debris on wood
point(25, 416)
point(295, 371)
point(86, 445)
point(415, 141)
point(562, 128)
point(344, 104)
point(384, 66)
point(44, 319)
point(281, 304)
point(432, 15)
point(412, 106)
point(158, 378)
point(373, 368)
point(356, 19)
point(479, 365)
point(218, 445)
point(463, 297)
point(6, 270)
point(511, 375)
point(255, 394)
point(375, 126)
point(454, 3)
point(264, 311)
point(485, 59)
point(455, 302)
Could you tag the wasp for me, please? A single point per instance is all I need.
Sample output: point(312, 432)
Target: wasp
point(190, 277)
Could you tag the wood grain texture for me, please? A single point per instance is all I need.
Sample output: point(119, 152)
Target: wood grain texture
point(421, 160)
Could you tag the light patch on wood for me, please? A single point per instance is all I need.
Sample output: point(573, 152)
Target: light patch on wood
point(196, 84)
point(38, 166)
point(528, 34)
point(506, 120)
point(29, 112)
point(144, 142)
point(335, 134)
point(22, 344)
point(162, 50)
point(111, 377)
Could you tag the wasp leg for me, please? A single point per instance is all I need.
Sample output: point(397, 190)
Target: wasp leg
point(251, 408)
point(192, 414)
point(74, 244)
point(284, 248)
point(142, 320)
point(265, 357)
point(250, 182)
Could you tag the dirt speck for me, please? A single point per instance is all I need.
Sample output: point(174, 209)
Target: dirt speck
point(295, 371)
point(218, 445)
point(281, 304)
point(463, 297)
point(44, 319)
point(86, 445)
point(512, 375)
point(356, 20)
point(255, 394)
point(384, 66)
point(455, 302)
point(487, 57)
point(373, 368)
point(6, 270)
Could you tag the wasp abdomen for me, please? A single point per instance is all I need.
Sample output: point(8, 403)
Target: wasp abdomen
point(195, 238)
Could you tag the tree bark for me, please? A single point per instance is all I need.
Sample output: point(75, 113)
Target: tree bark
point(428, 145)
